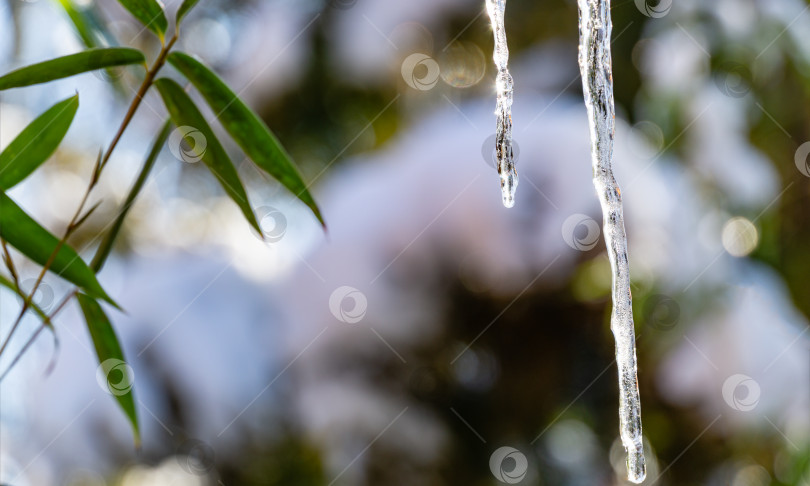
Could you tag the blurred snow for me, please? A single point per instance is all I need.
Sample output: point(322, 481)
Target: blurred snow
point(269, 50)
point(225, 321)
point(754, 331)
point(388, 217)
point(372, 36)
point(182, 308)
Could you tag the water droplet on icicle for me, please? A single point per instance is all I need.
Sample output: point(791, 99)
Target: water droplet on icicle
point(597, 82)
point(504, 89)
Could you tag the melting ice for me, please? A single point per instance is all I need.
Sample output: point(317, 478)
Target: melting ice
point(597, 83)
point(503, 108)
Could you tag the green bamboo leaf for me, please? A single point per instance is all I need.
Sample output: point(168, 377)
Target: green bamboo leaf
point(185, 114)
point(35, 242)
point(246, 128)
point(149, 12)
point(93, 33)
point(36, 143)
point(113, 368)
point(184, 9)
point(63, 67)
point(82, 23)
point(107, 243)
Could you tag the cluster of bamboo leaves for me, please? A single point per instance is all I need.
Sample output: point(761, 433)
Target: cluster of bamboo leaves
point(40, 139)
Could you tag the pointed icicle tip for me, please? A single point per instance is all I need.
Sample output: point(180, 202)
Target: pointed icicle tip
point(509, 182)
point(636, 466)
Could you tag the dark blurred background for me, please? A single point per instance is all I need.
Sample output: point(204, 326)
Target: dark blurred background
point(430, 326)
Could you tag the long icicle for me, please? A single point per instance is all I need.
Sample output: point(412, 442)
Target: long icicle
point(597, 83)
point(503, 108)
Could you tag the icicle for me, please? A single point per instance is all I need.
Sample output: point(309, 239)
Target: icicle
point(597, 83)
point(503, 108)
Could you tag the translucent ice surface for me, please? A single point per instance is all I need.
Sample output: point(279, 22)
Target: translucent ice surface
point(597, 84)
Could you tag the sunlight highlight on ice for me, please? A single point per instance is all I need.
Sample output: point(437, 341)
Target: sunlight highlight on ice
point(503, 109)
point(597, 83)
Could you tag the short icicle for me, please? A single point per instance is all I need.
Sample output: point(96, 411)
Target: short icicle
point(503, 109)
point(597, 82)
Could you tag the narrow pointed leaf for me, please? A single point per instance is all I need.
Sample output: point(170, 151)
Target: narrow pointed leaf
point(35, 242)
point(63, 67)
point(112, 365)
point(107, 243)
point(184, 9)
point(82, 23)
point(185, 114)
point(93, 33)
point(246, 128)
point(36, 143)
point(149, 13)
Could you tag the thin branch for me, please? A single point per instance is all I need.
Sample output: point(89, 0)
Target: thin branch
point(10, 263)
point(76, 220)
point(47, 319)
